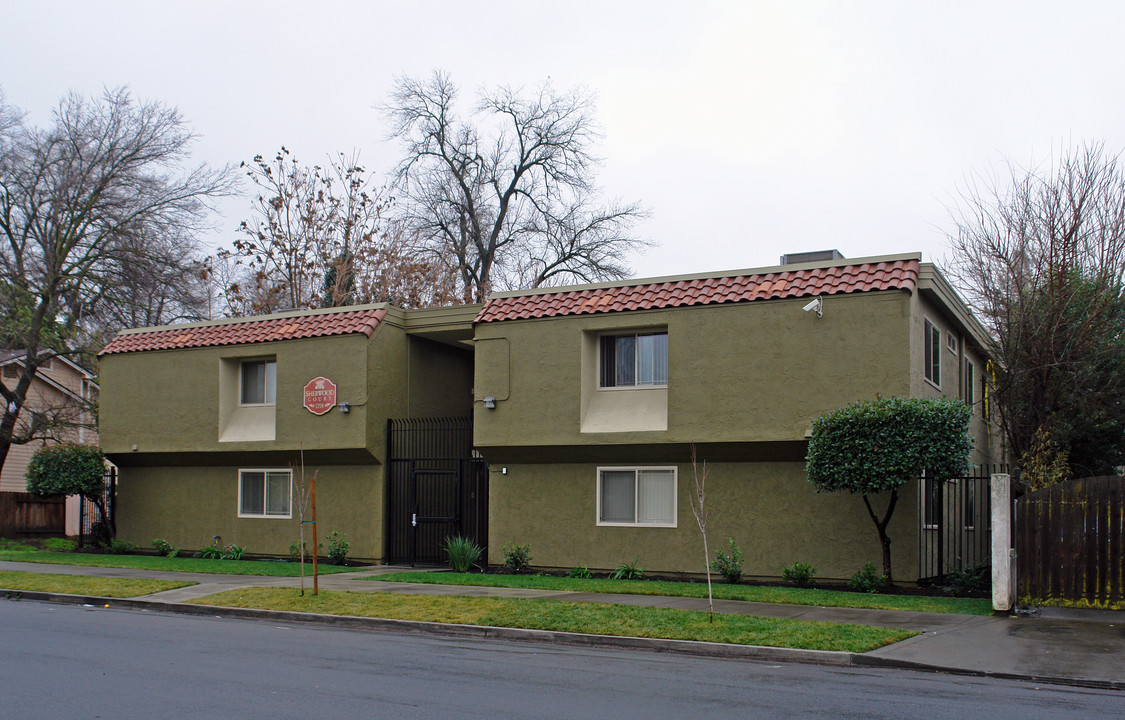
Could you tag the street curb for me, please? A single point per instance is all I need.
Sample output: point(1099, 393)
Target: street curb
point(553, 637)
point(862, 660)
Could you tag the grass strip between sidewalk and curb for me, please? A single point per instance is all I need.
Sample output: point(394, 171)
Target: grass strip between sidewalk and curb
point(574, 617)
point(753, 593)
point(266, 568)
point(109, 587)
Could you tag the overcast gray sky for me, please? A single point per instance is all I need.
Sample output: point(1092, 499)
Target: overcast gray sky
point(749, 129)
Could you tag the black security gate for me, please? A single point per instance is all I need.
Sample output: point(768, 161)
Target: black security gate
point(438, 487)
point(956, 523)
point(93, 529)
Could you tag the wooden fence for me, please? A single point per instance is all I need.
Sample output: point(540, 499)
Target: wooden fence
point(24, 515)
point(1070, 542)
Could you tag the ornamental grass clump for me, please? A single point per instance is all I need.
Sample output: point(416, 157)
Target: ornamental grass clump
point(462, 552)
point(628, 571)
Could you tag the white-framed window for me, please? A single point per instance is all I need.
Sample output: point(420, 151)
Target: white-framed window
point(951, 342)
point(932, 339)
point(264, 493)
point(970, 383)
point(637, 496)
point(633, 360)
point(258, 382)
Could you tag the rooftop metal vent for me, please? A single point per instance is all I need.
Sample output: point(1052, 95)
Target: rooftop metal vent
point(814, 256)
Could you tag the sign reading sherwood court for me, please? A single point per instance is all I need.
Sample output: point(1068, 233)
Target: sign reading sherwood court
point(320, 395)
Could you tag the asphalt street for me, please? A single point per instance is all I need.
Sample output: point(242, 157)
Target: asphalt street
point(91, 662)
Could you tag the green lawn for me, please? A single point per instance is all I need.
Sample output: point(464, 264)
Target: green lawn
point(578, 617)
point(167, 564)
point(756, 593)
point(86, 585)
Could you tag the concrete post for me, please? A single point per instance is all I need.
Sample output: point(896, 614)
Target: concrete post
point(1003, 577)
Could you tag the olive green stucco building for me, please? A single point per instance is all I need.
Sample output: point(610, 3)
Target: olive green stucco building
point(585, 403)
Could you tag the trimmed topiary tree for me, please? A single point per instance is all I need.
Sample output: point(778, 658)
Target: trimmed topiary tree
point(69, 470)
point(879, 445)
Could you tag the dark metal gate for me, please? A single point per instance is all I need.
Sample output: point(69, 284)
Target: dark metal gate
point(956, 519)
point(437, 488)
point(93, 528)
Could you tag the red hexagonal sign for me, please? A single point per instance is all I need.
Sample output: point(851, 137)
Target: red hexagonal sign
point(320, 395)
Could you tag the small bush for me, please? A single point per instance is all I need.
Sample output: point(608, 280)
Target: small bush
point(800, 575)
point(628, 571)
point(729, 565)
point(165, 548)
point(100, 532)
point(295, 550)
point(338, 548)
point(867, 580)
point(516, 557)
point(15, 546)
point(462, 552)
point(232, 552)
point(971, 581)
point(119, 547)
point(211, 552)
point(581, 572)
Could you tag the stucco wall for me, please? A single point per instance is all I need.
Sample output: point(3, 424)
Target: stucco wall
point(188, 506)
point(170, 401)
point(736, 373)
point(770, 509)
point(987, 438)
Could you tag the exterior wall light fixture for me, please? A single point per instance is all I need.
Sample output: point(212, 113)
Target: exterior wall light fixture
point(490, 402)
point(345, 407)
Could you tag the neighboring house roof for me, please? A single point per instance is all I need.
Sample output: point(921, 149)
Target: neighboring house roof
point(241, 331)
point(16, 356)
point(891, 273)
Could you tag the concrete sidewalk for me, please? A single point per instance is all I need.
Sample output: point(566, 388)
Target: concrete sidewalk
point(1076, 647)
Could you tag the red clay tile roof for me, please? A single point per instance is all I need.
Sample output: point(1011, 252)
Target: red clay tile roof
point(892, 275)
point(251, 330)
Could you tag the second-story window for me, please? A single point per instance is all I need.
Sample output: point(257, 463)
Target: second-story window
point(932, 341)
point(970, 383)
point(259, 382)
point(634, 360)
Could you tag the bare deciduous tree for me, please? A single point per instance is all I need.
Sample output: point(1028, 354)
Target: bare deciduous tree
point(320, 239)
point(507, 195)
point(1040, 253)
point(699, 473)
point(97, 199)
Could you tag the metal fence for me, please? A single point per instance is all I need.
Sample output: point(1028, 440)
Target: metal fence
point(93, 528)
point(956, 523)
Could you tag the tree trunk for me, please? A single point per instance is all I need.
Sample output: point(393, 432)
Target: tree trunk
point(881, 527)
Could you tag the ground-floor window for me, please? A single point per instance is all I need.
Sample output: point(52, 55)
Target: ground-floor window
point(637, 496)
point(264, 493)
